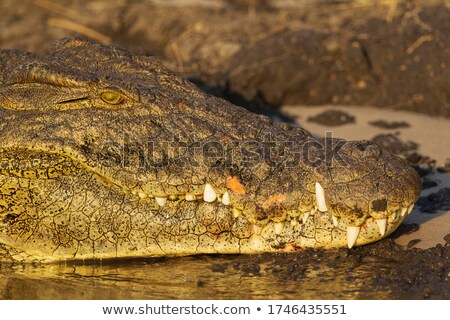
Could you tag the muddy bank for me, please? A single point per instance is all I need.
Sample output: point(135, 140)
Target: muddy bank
point(387, 54)
point(379, 271)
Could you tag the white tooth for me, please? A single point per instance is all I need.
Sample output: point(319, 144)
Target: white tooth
point(257, 229)
point(294, 221)
point(305, 217)
point(142, 195)
point(382, 225)
point(161, 201)
point(335, 221)
point(393, 216)
point(352, 235)
point(279, 226)
point(190, 197)
point(209, 195)
point(404, 211)
point(410, 208)
point(320, 198)
point(236, 212)
point(226, 198)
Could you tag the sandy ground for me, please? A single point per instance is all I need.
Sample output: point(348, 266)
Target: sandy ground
point(432, 136)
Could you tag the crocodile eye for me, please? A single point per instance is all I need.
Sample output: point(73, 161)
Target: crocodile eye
point(111, 97)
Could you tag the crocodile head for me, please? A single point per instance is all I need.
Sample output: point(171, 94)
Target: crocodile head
point(104, 154)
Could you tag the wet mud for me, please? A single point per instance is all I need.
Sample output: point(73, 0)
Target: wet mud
point(379, 271)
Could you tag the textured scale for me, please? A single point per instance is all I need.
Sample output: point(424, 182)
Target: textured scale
point(104, 155)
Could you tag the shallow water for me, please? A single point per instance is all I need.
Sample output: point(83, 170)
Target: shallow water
point(204, 277)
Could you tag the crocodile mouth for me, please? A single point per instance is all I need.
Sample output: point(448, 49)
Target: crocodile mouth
point(320, 227)
point(321, 224)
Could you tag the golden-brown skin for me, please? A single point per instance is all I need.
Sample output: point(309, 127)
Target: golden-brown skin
point(104, 155)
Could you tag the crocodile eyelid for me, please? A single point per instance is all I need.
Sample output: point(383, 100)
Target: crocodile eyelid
point(112, 97)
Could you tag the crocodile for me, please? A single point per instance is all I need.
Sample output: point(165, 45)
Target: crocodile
point(105, 154)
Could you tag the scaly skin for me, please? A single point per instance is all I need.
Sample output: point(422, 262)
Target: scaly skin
point(107, 155)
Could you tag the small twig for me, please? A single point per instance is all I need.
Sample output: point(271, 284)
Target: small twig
point(418, 43)
point(79, 28)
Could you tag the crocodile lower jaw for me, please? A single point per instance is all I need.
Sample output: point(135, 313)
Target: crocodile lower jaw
point(373, 229)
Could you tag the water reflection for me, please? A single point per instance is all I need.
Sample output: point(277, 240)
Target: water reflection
point(199, 277)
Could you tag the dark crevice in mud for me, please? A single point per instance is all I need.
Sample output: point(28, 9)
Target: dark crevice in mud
point(366, 56)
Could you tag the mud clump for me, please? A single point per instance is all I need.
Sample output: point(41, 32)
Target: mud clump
point(332, 118)
point(435, 202)
point(389, 125)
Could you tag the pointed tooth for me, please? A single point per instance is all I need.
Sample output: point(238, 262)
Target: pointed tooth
point(393, 216)
point(294, 221)
point(161, 201)
point(236, 213)
point(209, 195)
point(352, 235)
point(305, 216)
point(335, 221)
point(382, 225)
point(190, 197)
point(226, 198)
point(320, 198)
point(257, 229)
point(279, 226)
point(142, 195)
point(410, 208)
point(404, 211)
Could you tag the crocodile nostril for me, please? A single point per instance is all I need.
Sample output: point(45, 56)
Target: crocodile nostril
point(363, 145)
point(367, 148)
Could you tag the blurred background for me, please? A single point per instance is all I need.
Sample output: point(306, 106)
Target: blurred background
point(267, 53)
